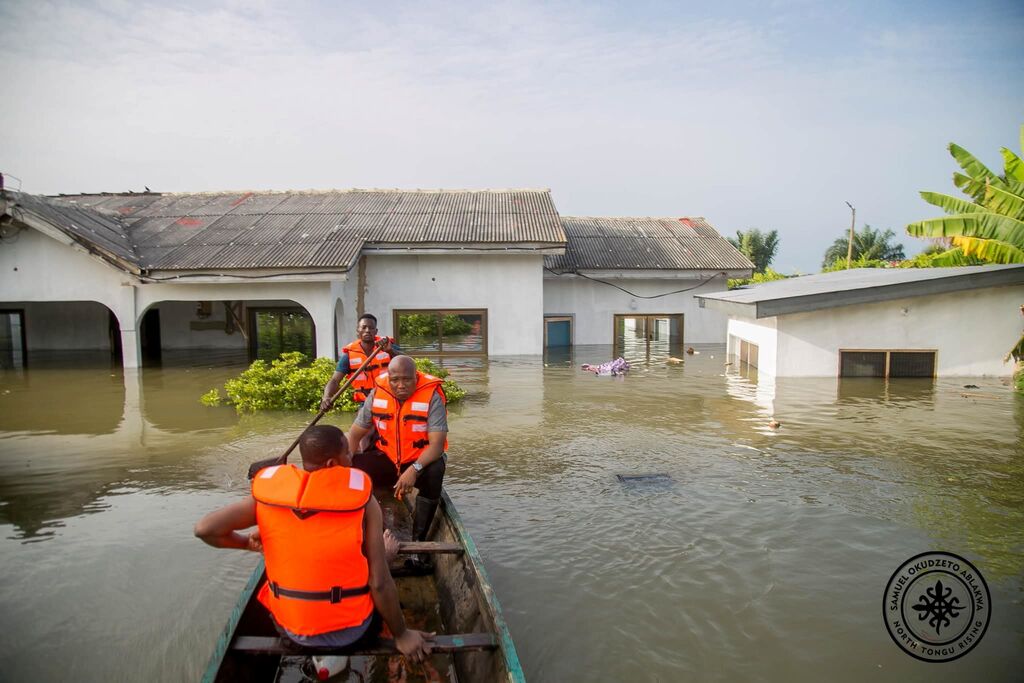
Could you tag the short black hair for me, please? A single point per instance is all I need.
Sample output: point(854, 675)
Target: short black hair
point(320, 443)
point(368, 316)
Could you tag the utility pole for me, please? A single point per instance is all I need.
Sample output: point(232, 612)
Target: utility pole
point(849, 247)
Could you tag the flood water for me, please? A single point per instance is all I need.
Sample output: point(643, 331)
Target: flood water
point(758, 554)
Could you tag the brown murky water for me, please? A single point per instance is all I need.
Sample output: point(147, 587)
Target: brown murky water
point(762, 556)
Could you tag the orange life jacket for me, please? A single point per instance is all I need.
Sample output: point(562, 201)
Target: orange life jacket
point(311, 524)
point(373, 367)
point(402, 426)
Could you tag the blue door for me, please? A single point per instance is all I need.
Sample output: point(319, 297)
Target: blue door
point(557, 332)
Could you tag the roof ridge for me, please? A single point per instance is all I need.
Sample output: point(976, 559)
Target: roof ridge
point(309, 191)
point(635, 218)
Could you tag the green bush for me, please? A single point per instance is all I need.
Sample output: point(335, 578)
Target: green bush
point(768, 275)
point(292, 383)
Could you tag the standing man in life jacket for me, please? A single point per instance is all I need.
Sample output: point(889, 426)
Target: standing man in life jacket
point(321, 533)
point(407, 411)
point(361, 354)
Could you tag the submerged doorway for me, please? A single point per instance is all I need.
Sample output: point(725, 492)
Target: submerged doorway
point(12, 339)
point(648, 337)
point(557, 331)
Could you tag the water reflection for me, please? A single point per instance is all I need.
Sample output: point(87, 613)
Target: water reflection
point(741, 543)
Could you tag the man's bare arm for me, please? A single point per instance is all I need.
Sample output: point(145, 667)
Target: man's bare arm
point(414, 644)
point(331, 388)
point(220, 527)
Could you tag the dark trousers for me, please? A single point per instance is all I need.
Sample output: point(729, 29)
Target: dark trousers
point(384, 474)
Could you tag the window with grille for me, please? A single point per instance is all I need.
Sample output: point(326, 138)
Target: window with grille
point(746, 352)
point(886, 363)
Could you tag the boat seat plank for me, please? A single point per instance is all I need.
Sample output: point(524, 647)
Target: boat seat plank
point(462, 642)
point(429, 547)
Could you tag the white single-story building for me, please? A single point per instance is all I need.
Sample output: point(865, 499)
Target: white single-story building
point(446, 271)
point(623, 278)
point(878, 322)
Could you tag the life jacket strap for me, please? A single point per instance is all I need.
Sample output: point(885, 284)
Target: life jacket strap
point(414, 418)
point(381, 416)
point(333, 596)
point(421, 443)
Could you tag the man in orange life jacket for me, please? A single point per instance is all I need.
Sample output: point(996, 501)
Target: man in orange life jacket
point(361, 354)
point(407, 410)
point(321, 532)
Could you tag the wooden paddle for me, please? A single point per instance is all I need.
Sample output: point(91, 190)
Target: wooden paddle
point(283, 458)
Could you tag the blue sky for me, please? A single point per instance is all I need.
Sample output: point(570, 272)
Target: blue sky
point(753, 114)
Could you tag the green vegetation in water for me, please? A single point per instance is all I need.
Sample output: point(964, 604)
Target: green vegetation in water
point(768, 275)
point(291, 382)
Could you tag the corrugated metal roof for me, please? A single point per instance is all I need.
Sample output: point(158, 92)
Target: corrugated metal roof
point(88, 227)
point(604, 243)
point(266, 229)
point(859, 286)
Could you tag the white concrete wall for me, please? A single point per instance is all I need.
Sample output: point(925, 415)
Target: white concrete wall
point(594, 306)
point(972, 332)
point(176, 318)
point(315, 297)
point(34, 267)
point(760, 332)
point(508, 286)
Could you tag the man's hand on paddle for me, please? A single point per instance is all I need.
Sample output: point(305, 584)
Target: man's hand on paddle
point(416, 645)
point(333, 384)
point(406, 483)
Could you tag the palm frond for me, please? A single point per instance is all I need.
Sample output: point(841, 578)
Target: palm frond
point(971, 187)
point(950, 258)
point(1012, 165)
point(990, 250)
point(970, 164)
point(950, 204)
point(978, 225)
point(1004, 202)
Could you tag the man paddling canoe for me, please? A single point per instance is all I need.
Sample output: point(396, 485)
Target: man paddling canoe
point(321, 533)
point(407, 410)
point(361, 353)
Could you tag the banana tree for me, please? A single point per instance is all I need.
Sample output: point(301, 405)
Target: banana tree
point(988, 226)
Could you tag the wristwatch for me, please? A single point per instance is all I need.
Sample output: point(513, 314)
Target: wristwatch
point(417, 466)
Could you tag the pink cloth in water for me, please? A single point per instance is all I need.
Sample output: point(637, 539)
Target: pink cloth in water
point(619, 366)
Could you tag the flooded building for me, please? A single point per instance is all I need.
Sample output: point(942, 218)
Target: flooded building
point(633, 282)
point(486, 272)
point(878, 322)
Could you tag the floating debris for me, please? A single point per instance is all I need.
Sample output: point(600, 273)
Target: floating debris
point(774, 424)
point(645, 481)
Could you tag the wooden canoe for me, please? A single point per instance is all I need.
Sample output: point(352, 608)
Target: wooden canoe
point(473, 643)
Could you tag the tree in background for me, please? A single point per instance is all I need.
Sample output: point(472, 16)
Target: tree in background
point(989, 228)
point(868, 245)
point(759, 247)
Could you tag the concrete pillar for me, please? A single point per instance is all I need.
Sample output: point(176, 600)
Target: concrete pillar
point(132, 426)
point(321, 309)
point(131, 348)
point(124, 308)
